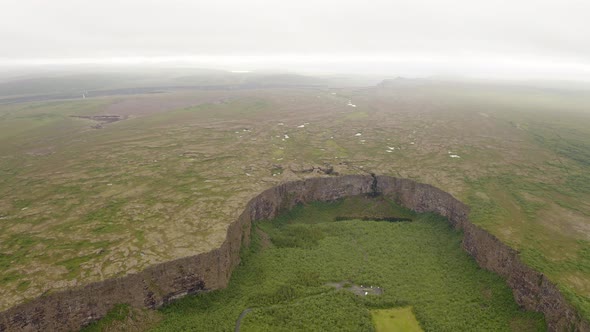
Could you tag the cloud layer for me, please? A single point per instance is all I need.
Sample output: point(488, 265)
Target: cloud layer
point(440, 35)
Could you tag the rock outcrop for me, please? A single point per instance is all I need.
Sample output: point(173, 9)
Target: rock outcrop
point(162, 283)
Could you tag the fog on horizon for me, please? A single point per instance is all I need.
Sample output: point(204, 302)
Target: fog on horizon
point(524, 39)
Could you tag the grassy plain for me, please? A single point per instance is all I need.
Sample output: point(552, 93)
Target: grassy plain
point(79, 204)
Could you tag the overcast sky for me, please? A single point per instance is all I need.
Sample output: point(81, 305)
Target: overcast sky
point(419, 37)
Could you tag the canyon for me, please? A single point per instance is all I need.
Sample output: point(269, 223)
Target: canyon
point(160, 284)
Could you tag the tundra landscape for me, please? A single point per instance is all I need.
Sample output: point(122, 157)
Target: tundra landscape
point(309, 165)
point(105, 175)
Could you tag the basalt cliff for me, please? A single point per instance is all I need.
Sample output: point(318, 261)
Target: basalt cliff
point(162, 283)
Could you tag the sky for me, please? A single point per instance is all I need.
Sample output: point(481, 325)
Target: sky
point(499, 38)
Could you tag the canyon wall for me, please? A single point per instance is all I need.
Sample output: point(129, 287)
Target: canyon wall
point(157, 285)
point(531, 289)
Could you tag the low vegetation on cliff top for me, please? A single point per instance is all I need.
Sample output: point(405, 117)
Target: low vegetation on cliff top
point(283, 282)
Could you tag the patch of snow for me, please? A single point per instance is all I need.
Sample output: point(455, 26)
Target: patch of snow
point(302, 126)
point(281, 124)
point(358, 134)
point(286, 136)
point(391, 147)
point(24, 208)
point(109, 184)
point(454, 156)
point(412, 143)
point(248, 174)
point(366, 293)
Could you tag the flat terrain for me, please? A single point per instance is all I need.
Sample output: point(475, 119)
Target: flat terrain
point(397, 319)
point(286, 281)
point(83, 199)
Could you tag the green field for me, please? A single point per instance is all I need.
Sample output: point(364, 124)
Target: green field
point(285, 279)
point(79, 204)
point(397, 319)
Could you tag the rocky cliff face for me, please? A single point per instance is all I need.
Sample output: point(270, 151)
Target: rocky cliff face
point(159, 284)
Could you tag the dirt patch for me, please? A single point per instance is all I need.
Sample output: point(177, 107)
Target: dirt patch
point(101, 119)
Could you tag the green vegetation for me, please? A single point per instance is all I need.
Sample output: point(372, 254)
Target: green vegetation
point(118, 313)
point(124, 318)
point(420, 263)
point(396, 319)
